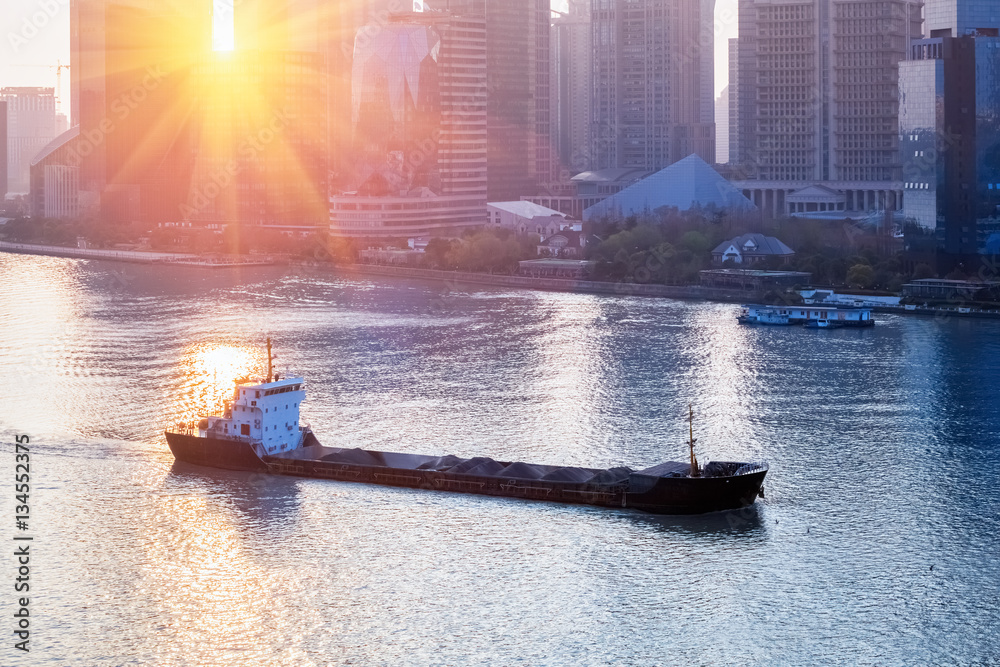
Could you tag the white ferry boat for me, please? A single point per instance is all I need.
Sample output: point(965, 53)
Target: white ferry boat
point(830, 316)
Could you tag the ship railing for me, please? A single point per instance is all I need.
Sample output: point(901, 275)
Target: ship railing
point(183, 428)
point(750, 468)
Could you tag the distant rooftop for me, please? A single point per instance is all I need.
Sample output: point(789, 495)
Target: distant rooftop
point(54, 145)
point(756, 273)
point(613, 175)
point(526, 209)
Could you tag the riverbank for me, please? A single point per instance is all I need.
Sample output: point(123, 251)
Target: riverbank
point(698, 292)
point(557, 284)
point(135, 256)
point(458, 278)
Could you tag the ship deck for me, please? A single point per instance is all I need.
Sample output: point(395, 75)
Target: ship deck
point(480, 465)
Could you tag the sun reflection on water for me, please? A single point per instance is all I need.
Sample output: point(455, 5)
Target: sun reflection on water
point(211, 371)
point(216, 594)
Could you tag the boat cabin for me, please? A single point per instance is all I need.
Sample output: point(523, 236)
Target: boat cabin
point(266, 414)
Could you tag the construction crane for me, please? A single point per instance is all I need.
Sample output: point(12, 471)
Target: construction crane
point(59, 67)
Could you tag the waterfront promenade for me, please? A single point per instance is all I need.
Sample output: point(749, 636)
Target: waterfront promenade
point(458, 278)
point(636, 289)
point(134, 256)
point(554, 284)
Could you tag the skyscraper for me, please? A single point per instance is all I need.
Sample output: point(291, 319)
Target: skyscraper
point(961, 17)
point(418, 127)
point(131, 66)
point(570, 99)
point(734, 101)
point(519, 149)
point(31, 123)
point(172, 130)
point(818, 97)
point(259, 140)
point(949, 130)
point(260, 131)
point(722, 126)
point(653, 81)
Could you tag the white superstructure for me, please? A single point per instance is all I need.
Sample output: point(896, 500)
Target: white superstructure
point(266, 414)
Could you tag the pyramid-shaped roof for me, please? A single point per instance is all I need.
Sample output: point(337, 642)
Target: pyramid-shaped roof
point(756, 244)
point(686, 184)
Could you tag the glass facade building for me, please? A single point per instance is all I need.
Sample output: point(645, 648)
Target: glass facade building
point(956, 18)
point(419, 126)
point(517, 79)
point(949, 130)
point(396, 108)
point(131, 65)
point(921, 123)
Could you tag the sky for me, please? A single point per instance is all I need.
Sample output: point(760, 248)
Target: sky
point(35, 35)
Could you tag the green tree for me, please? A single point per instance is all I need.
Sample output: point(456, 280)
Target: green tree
point(436, 253)
point(861, 275)
point(696, 242)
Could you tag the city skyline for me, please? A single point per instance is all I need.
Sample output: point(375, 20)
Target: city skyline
point(29, 53)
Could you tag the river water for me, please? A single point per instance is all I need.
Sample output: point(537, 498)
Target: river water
point(878, 541)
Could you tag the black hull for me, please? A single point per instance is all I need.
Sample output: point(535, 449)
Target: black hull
point(658, 495)
point(225, 454)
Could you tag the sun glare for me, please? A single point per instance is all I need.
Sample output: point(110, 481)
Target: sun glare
point(223, 30)
point(224, 365)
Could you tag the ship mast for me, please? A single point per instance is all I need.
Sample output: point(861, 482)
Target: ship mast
point(270, 358)
point(691, 441)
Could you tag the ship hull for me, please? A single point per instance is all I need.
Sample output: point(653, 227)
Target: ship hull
point(654, 494)
point(215, 453)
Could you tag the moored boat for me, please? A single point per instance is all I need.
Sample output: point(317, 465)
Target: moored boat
point(847, 316)
point(823, 324)
point(259, 430)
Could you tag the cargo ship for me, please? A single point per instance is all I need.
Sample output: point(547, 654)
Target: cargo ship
point(259, 431)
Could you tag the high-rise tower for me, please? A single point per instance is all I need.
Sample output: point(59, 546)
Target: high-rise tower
point(818, 98)
point(949, 130)
point(571, 91)
point(653, 74)
point(30, 124)
point(418, 128)
point(131, 66)
point(520, 155)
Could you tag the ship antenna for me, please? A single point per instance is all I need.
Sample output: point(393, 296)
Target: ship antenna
point(694, 461)
point(269, 359)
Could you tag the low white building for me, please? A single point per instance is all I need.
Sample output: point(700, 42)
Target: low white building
point(525, 217)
